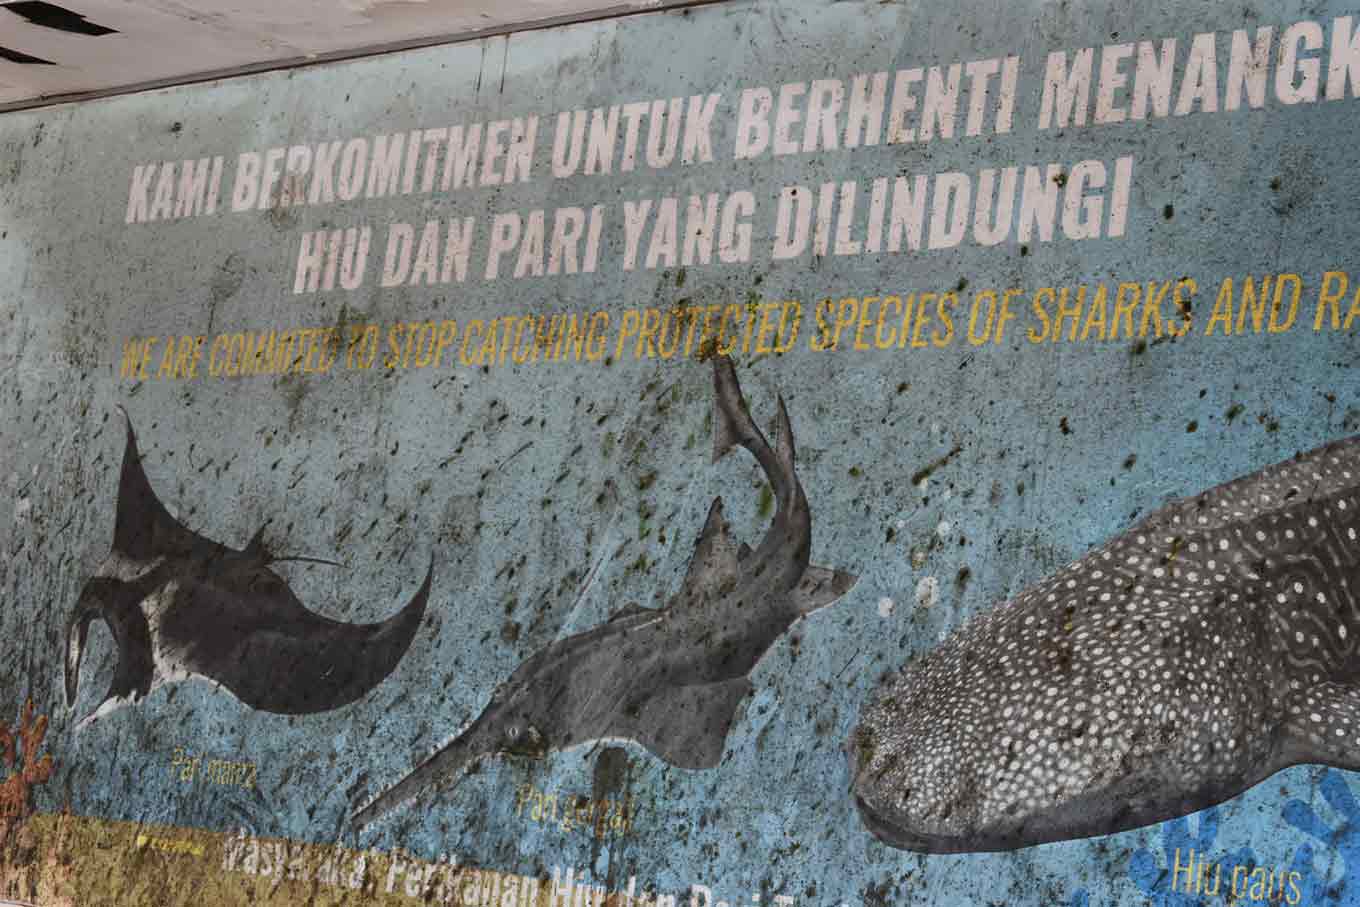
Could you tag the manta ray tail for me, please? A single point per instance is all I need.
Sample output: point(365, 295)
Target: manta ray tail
point(450, 763)
point(256, 550)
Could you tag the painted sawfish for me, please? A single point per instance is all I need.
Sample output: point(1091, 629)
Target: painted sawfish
point(180, 605)
point(669, 679)
point(1180, 663)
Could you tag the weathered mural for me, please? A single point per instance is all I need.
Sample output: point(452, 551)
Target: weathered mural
point(374, 533)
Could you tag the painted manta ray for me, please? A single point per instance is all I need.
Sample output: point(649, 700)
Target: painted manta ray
point(668, 679)
point(180, 605)
point(1184, 661)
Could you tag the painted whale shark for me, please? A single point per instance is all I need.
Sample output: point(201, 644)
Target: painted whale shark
point(669, 679)
point(1211, 645)
point(180, 605)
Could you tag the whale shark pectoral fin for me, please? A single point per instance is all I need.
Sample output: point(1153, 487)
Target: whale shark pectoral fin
point(819, 587)
point(687, 726)
point(1316, 715)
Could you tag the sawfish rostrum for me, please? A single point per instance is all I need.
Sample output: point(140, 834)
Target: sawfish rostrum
point(1182, 662)
point(669, 679)
point(180, 605)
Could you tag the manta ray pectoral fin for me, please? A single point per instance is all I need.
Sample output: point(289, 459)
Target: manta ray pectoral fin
point(687, 726)
point(1324, 727)
point(819, 587)
point(313, 664)
point(143, 528)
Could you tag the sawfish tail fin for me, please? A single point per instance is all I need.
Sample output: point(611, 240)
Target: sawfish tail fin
point(733, 426)
point(446, 766)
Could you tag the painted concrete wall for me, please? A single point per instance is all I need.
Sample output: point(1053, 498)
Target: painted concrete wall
point(797, 720)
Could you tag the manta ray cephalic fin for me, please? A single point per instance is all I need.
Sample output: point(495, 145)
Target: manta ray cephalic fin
point(819, 587)
point(1316, 714)
point(687, 726)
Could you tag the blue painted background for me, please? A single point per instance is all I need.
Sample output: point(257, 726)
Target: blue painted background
point(1061, 445)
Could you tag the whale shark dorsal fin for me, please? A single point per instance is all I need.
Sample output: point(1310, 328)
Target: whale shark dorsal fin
point(819, 587)
point(143, 528)
point(687, 725)
point(1316, 714)
point(714, 562)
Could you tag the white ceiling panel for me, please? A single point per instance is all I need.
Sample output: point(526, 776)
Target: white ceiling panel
point(158, 42)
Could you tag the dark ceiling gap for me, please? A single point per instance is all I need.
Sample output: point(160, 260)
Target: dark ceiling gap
point(15, 56)
point(49, 15)
point(618, 9)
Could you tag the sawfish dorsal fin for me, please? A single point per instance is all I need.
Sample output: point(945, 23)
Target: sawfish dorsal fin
point(819, 587)
point(713, 566)
point(143, 528)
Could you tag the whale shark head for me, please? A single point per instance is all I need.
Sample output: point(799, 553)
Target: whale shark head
point(1167, 670)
